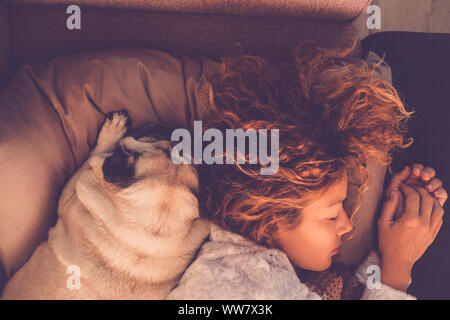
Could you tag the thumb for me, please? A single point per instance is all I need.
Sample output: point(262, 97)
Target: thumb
point(389, 207)
point(398, 178)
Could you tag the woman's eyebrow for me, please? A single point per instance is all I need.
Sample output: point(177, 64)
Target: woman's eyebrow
point(338, 201)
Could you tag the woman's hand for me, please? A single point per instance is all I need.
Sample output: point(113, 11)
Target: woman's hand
point(420, 176)
point(404, 240)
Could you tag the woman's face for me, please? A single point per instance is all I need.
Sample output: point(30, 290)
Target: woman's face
point(313, 243)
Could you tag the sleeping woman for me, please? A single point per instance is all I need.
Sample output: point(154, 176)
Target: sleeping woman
point(332, 114)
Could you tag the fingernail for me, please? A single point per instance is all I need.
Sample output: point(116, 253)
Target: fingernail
point(429, 188)
point(435, 193)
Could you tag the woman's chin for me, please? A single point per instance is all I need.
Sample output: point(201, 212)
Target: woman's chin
point(321, 267)
point(324, 268)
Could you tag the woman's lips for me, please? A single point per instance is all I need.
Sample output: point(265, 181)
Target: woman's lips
point(335, 251)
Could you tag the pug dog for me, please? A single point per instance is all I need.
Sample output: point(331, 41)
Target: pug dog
point(128, 223)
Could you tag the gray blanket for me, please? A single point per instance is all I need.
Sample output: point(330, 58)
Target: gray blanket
point(230, 267)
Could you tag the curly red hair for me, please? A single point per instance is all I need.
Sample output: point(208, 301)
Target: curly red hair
point(331, 112)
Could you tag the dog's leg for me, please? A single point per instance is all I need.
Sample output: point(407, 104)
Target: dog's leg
point(114, 128)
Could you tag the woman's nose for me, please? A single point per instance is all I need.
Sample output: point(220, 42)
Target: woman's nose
point(346, 225)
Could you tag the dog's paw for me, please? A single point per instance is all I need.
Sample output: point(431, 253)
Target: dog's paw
point(113, 129)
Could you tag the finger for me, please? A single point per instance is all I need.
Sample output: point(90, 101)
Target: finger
point(427, 174)
point(412, 201)
point(426, 203)
point(413, 181)
point(437, 214)
point(397, 179)
point(400, 206)
point(388, 210)
point(441, 195)
point(433, 185)
point(417, 169)
point(414, 178)
point(437, 229)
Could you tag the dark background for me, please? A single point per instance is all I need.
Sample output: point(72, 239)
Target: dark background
point(420, 65)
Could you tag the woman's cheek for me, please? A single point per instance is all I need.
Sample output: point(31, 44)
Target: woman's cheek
point(329, 233)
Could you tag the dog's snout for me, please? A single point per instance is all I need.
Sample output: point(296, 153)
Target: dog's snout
point(118, 169)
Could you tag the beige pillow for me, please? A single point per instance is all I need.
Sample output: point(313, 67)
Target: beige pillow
point(357, 245)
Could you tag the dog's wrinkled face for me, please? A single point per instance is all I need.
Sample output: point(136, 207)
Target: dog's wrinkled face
point(128, 163)
point(121, 167)
point(146, 187)
point(136, 162)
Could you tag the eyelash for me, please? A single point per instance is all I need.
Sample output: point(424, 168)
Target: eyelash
point(335, 218)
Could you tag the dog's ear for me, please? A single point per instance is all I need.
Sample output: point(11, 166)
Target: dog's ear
point(157, 130)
